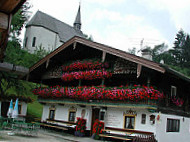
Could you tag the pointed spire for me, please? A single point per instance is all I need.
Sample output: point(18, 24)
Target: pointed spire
point(77, 23)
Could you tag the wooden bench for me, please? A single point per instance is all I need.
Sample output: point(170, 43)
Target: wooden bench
point(115, 133)
point(53, 126)
point(57, 124)
point(67, 124)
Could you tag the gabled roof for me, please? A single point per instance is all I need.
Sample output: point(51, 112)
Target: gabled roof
point(64, 30)
point(113, 51)
point(10, 6)
point(105, 48)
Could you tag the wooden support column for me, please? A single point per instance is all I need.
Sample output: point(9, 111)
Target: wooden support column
point(103, 59)
point(47, 63)
point(103, 56)
point(148, 82)
point(5, 21)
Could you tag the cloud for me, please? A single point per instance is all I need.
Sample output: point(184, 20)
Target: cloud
point(178, 10)
point(117, 30)
point(105, 3)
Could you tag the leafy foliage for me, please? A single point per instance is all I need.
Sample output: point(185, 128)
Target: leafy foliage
point(19, 20)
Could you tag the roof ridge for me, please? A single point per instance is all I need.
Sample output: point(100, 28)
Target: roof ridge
point(54, 18)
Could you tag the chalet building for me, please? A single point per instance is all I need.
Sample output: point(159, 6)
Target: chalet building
point(48, 32)
point(22, 105)
point(130, 94)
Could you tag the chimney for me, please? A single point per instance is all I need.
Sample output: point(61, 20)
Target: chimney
point(146, 53)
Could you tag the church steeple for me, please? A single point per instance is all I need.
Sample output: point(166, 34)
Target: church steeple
point(77, 24)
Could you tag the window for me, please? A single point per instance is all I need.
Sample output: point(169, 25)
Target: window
point(173, 125)
point(51, 114)
point(34, 42)
point(19, 109)
point(102, 115)
point(173, 91)
point(143, 119)
point(26, 40)
point(129, 121)
point(72, 115)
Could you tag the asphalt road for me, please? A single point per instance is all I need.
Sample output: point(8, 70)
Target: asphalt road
point(43, 136)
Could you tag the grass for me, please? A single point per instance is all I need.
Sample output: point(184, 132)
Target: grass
point(34, 109)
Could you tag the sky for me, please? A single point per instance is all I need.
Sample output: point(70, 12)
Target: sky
point(123, 24)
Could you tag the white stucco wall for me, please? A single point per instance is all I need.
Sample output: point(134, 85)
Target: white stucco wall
point(182, 136)
point(48, 39)
point(115, 118)
point(62, 113)
point(23, 108)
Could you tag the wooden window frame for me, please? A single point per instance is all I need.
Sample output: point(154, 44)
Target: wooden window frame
point(175, 91)
point(171, 121)
point(143, 118)
point(72, 110)
point(52, 108)
point(124, 123)
point(69, 116)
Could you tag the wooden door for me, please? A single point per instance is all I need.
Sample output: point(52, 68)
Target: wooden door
point(95, 115)
point(4, 108)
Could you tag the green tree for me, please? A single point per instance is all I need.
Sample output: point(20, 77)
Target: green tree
point(19, 20)
point(132, 51)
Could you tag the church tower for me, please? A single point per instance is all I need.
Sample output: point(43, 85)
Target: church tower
point(77, 24)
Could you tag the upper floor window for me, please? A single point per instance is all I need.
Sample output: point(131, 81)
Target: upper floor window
point(34, 42)
point(173, 125)
point(173, 91)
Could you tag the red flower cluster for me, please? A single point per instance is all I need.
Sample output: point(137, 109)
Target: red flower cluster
point(177, 101)
point(98, 126)
point(135, 93)
point(87, 75)
point(85, 65)
point(80, 125)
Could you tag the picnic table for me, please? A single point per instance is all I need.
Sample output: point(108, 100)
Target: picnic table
point(30, 129)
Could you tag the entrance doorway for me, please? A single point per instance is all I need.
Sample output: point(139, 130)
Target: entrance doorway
point(4, 108)
point(95, 115)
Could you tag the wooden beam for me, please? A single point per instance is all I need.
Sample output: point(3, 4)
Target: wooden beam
point(103, 56)
point(12, 68)
point(4, 39)
point(4, 21)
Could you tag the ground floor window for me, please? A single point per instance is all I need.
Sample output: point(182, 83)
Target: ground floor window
point(72, 115)
point(143, 119)
point(129, 121)
point(173, 125)
point(51, 114)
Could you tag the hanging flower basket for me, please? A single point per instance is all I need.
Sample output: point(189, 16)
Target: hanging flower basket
point(135, 93)
point(177, 101)
point(85, 65)
point(86, 75)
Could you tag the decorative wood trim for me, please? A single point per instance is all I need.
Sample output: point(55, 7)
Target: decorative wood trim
point(103, 56)
point(104, 48)
point(125, 120)
point(129, 130)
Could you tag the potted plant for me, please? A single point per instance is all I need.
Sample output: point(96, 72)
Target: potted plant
point(80, 127)
point(98, 126)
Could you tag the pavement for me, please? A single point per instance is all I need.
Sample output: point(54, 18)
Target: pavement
point(44, 136)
